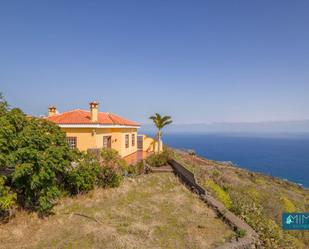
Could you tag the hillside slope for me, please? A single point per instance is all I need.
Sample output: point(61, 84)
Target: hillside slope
point(257, 198)
point(148, 211)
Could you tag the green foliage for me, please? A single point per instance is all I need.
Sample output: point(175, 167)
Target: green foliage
point(241, 233)
point(216, 173)
point(254, 194)
point(258, 199)
point(112, 168)
point(3, 105)
point(160, 121)
point(269, 231)
point(11, 125)
point(37, 152)
point(111, 158)
point(136, 169)
point(41, 165)
point(108, 177)
point(81, 175)
point(288, 205)
point(7, 199)
point(219, 193)
point(158, 160)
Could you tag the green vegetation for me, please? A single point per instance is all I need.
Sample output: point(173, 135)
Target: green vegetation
point(40, 167)
point(256, 198)
point(159, 159)
point(81, 176)
point(37, 153)
point(147, 211)
point(7, 199)
point(160, 122)
point(219, 193)
point(136, 169)
point(288, 205)
point(112, 170)
point(241, 233)
point(109, 178)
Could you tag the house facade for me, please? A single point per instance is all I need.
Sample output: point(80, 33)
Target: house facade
point(94, 130)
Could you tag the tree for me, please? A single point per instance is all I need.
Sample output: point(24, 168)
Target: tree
point(7, 200)
point(37, 154)
point(3, 105)
point(160, 122)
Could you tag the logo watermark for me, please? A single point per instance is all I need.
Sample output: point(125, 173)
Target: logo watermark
point(295, 221)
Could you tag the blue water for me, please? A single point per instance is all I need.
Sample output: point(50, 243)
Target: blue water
point(283, 156)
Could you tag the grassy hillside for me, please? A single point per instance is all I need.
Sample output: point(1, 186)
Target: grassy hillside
point(257, 198)
point(149, 211)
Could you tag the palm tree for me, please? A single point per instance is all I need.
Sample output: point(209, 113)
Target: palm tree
point(160, 122)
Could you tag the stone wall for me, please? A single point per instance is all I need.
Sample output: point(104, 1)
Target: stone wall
point(250, 239)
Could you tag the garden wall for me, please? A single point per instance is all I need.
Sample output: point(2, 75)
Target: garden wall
point(250, 239)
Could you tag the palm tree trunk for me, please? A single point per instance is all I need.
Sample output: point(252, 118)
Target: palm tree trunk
point(159, 141)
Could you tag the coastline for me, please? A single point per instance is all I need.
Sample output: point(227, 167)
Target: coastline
point(285, 158)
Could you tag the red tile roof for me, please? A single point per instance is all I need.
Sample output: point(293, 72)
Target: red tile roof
point(83, 117)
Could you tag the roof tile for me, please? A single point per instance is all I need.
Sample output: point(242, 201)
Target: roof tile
point(83, 117)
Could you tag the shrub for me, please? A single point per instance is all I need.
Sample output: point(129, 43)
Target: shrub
point(241, 233)
point(37, 152)
point(111, 159)
point(215, 173)
point(108, 177)
point(136, 169)
point(158, 160)
point(7, 199)
point(219, 193)
point(112, 168)
point(82, 175)
point(269, 231)
point(288, 205)
point(3, 105)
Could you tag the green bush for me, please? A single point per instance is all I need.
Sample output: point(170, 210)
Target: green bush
point(108, 177)
point(215, 173)
point(219, 193)
point(7, 199)
point(158, 159)
point(270, 233)
point(257, 199)
point(112, 168)
point(37, 152)
point(111, 158)
point(241, 233)
point(82, 175)
point(136, 169)
point(288, 205)
point(3, 105)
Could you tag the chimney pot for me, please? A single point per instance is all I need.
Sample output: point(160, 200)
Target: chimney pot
point(94, 111)
point(52, 110)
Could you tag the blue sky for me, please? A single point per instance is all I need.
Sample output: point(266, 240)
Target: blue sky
point(198, 61)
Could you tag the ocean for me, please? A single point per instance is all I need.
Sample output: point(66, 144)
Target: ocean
point(284, 156)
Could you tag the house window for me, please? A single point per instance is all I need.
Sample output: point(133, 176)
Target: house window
point(107, 141)
point(127, 140)
point(133, 140)
point(72, 142)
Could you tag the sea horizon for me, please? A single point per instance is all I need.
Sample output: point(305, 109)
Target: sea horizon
point(284, 155)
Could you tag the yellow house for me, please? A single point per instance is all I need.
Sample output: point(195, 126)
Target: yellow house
point(93, 130)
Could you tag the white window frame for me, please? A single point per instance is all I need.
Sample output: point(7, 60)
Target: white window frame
point(72, 141)
point(127, 141)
